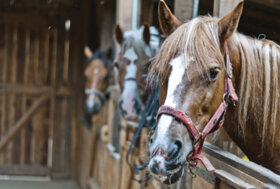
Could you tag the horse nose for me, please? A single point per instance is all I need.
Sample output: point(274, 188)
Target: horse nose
point(174, 149)
point(96, 108)
point(132, 117)
point(156, 165)
point(128, 109)
point(92, 108)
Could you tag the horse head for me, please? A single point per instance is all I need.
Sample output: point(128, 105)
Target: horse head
point(97, 75)
point(133, 52)
point(190, 67)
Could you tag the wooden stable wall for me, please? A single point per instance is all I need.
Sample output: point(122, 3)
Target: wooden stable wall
point(41, 71)
point(35, 98)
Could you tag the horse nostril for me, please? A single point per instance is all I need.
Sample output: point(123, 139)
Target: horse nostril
point(175, 149)
point(155, 168)
point(178, 143)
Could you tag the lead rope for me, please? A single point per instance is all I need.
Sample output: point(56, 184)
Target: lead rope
point(148, 119)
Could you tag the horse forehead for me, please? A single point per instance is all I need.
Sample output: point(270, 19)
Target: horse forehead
point(130, 54)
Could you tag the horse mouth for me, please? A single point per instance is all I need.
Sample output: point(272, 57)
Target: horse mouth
point(170, 176)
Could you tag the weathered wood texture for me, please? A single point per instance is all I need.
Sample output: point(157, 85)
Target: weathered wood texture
point(183, 9)
point(223, 7)
point(231, 172)
point(35, 96)
point(124, 14)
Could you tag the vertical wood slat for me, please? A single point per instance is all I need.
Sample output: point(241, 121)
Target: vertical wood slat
point(37, 141)
point(24, 98)
point(4, 79)
point(66, 57)
point(223, 7)
point(1, 69)
point(52, 101)
point(46, 55)
point(12, 98)
point(183, 10)
point(61, 162)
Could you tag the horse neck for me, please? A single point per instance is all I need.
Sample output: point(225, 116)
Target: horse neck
point(256, 80)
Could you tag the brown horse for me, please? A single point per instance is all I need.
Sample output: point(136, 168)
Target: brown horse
point(195, 81)
point(97, 73)
point(135, 49)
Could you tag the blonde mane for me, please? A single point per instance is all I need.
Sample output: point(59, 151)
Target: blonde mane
point(259, 77)
point(259, 80)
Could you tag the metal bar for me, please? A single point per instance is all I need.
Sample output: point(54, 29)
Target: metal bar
point(195, 8)
point(135, 14)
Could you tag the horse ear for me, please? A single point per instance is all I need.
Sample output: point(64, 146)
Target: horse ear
point(229, 23)
point(146, 34)
point(167, 21)
point(88, 52)
point(118, 34)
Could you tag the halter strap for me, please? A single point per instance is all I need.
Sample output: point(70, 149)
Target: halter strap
point(216, 121)
point(100, 95)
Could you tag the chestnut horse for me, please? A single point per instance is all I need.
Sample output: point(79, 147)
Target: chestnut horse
point(136, 48)
point(97, 73)
point(194, 69)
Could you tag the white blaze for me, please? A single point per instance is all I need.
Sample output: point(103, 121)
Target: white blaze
point(178, 70)
point(130, 86)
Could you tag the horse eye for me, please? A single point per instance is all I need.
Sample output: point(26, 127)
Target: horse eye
point(213, 73)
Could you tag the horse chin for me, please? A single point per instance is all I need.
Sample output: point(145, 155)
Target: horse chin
point(172, 176)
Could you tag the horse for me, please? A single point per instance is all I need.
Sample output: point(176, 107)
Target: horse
point(135, 49)
point(97, 73)
point(211, 75)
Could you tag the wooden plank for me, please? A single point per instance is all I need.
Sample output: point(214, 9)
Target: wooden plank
point(92, 184)
point(23, 138)
point(124, 18)
point(86, 156)
point(61, 160)
point(223, 7)
point(26, 170)
point(46, 55)
point(12, 98)
point(20, 123)
point(37, 125)
point(52, 101)
point(34, 89)
point(108, 23)
point(183, 10)
point(4, 79)
point(41, 19)
point(232, 180)
point(253, 170)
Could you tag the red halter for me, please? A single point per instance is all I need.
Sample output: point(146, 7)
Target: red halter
point(216, 120)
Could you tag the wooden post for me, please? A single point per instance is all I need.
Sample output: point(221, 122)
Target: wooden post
point(183, 10)
point(108, 24)
point(124, 14)
point(222, 7)
point(4, 79)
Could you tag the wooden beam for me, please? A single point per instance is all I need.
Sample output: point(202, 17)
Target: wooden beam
point(25, 170)
point(223, 7)
point(21, 122)
point(183, 10)
point(250, 168)
point(124, 14)
point(31, 89)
